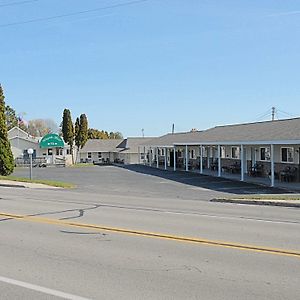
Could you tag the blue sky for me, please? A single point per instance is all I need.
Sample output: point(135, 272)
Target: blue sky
point(193, 63)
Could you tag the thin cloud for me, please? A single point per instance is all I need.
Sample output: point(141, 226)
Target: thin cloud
point(288, 13)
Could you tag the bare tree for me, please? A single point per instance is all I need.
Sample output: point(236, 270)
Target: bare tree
point(41, 127)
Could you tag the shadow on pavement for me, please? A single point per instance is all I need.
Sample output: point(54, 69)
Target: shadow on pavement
point(205, 181)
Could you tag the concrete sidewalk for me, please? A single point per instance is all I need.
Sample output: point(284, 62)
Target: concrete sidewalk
point(18, 184)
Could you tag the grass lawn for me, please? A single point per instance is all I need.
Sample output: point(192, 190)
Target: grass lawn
point(82, 165)
point(295, 197)
point(46, 182)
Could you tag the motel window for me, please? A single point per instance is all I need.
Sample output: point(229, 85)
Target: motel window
point(235, 152)
point(142, 156)
point(68, 151)
point(192, 153)
point(287, 154)
point(89, 154)
point(162, 152)
point(265, 153)
point(99, 155)
point(50, 151)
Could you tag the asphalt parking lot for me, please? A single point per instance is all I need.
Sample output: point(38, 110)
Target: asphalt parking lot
point(130, 232)
point(130, 180)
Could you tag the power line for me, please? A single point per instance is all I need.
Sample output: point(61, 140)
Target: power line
point(286, 113)
point(72, 14)
point(18, 3)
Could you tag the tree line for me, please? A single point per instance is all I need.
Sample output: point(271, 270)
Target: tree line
point(75, 135)
point(41, 127)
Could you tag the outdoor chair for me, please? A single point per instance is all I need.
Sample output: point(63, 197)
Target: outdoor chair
point(256, 170)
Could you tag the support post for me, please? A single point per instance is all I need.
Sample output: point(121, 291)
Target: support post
point(208, 157)
point(186, 158)
point(242, 163)
point(201, 159)
point(219, 161)
point(157, 159)
point(166, 158)
point(174, 154)
point(150, 157)
point(144, 155)
point(272, 167)
point(139, 153)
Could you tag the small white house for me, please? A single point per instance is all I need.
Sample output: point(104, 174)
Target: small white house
point(49, 149)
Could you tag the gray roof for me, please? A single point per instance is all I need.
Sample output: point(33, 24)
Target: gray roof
point(131, 144)
point(128, 145)
point(271, 131)
point(285, 131)
point(97, 145)
point(170, 139)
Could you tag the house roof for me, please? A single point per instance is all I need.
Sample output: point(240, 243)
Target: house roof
point(98, 145)
point(278, 131)
point(17, 132)
point(131, 144)
point(170, 139)
point(287, 130)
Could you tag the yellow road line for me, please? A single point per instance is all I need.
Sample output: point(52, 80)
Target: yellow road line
point(275, 251)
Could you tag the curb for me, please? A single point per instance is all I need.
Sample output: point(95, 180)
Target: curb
point(258, 202)
point(12, 185)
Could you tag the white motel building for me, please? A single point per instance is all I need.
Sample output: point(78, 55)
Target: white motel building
point(262, 152)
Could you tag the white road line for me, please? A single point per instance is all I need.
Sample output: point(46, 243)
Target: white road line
point(41, 289)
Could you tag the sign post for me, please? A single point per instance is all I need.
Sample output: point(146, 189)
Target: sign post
point(30, 152)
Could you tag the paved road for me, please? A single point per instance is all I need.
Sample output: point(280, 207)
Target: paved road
point(56, 253)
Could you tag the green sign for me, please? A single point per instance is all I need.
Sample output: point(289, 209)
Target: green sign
point(52, 140)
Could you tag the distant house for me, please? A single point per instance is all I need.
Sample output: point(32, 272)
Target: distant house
point(113, 150)
point(49, 149)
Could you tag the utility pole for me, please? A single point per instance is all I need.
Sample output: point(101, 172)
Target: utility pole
point(173, 128)
point(273, 113)
point(143, 132)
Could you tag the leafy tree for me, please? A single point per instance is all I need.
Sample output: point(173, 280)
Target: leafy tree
point(97, 134)
point(6, 156)
point(11, 117)
point(115, 135)
point(41, 127)
point(68, 130)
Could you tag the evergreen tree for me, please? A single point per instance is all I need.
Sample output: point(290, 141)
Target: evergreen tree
point(68, 130)
point(77, 136)
point(83, 130)
point(11, 117)
point(6, 156)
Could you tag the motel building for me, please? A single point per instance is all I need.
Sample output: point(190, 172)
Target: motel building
point(262, 152)
point(47, 150)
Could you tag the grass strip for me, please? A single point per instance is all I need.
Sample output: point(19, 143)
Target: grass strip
point(81, 165)
point(40, 181)
point(267, 197)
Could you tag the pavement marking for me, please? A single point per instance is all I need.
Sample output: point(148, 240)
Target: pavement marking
point(185, 239)
point(40, 289)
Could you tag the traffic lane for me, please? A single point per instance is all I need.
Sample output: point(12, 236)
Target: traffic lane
point(244, 233)
point(27, 201)
point(109, 265)
point(256, 231)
